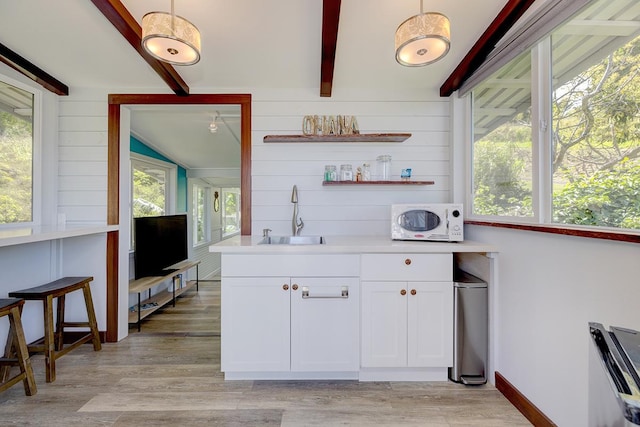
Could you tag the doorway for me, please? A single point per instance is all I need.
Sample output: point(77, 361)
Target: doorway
point(114, 258)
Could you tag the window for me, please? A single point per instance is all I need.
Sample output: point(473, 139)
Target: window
point(502, 142)
point(596, 134)
point(200, 215)
point(230, 211)
point(556, 131)
point(153, 188)
point(17, 154)
point(149, 188)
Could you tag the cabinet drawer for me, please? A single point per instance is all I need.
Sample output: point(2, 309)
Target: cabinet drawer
point(252, 265)
point(409, 267)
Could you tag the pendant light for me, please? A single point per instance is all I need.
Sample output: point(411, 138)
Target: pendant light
point(170, 38)
point(422, 39)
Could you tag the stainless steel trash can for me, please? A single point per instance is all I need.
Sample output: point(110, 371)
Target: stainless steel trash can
point(470, 333)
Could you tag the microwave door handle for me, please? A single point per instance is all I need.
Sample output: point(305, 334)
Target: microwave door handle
point(446, 214)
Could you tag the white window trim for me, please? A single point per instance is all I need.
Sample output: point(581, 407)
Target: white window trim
point(541, 96)
point(468, 172)
point(207, 214)
point(171, 186)
point(36, 156)
point(222, 209)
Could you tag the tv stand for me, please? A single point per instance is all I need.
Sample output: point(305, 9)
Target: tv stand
point(160, 299)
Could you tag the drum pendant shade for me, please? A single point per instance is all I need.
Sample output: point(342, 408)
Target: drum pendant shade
point(170, 38)
point(422, 39)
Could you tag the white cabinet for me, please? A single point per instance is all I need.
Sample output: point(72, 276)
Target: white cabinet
point(255, 324)
point(384, 324)
point(275, 323)
point(407, 310)
point(324, 324)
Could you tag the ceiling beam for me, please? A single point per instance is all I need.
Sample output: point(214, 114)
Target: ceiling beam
point(330, 19)
point(126, 24)
point(36, 74)
point(507, 17)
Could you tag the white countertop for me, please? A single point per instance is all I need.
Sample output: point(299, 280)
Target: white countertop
point(348, 244)
point(22, 235)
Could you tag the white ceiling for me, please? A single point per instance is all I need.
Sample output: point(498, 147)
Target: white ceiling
point(184, 131)
point(246, 45)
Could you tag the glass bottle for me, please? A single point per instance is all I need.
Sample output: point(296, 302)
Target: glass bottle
point(366, 172)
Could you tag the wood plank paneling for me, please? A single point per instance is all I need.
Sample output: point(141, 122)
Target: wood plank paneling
point(355, 210)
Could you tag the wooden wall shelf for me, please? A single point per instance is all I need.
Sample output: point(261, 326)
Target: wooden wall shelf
point(356, 137)
point(378, 182)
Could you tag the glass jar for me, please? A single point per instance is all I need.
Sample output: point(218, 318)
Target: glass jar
point(346, 173)
point(384, 167)
point(330, 173)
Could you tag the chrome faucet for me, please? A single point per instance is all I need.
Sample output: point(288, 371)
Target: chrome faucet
point(295, 225)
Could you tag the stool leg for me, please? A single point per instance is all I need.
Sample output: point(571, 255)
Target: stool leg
point(22, 353)
point(59, 334)
point(91, 315)
point(49, 342)
point(8, 352)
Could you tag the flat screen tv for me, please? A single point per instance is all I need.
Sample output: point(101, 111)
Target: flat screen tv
point(160, 241)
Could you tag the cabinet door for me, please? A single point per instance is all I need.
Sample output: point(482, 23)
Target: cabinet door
point(430, 324)
point(325, 324)
point(255, 324)
point(384, 324)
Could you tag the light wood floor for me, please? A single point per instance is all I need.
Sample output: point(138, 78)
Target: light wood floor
point(169, 374)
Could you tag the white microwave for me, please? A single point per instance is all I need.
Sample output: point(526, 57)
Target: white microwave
point(440, 222)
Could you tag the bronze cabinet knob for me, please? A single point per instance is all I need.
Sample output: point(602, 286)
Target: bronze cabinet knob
point(413, 292)
point(295, 287)
point(403, 292)
point(285, 287)
point(407, 261)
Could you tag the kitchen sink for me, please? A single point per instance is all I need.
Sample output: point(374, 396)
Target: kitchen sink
point(292, 240)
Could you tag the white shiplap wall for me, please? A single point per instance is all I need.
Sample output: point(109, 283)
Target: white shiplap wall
point(352, 210)
point(276, 167)
point(82, 171)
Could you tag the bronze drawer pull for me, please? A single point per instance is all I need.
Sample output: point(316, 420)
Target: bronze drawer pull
point(407, 261)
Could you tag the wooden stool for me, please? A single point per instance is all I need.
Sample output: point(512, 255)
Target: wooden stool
point(53, 347)
point(15, 352)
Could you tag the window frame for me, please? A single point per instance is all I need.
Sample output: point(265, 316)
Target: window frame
point(541, 99)
point(37, 204)
point(535, 146)
point(207, 206)
point(223, 192)
point(542, 152)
